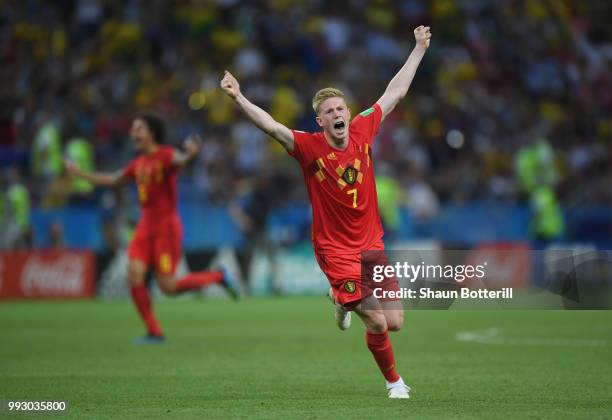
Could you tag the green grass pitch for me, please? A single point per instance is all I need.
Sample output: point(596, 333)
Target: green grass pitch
point(284, 358)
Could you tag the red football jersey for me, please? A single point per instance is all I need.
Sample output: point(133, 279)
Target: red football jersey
point(156, 178)
point(341, 187)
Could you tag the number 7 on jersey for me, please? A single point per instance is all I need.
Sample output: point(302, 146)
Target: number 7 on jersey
point(354, 192)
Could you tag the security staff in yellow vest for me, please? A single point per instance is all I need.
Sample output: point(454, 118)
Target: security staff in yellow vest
point(537, 175)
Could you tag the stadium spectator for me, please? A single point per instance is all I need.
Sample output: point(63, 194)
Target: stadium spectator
point(255, 199)
point(79, 151)
point(15, 212)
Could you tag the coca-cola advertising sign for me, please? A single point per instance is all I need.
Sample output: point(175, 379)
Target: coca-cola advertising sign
point(47, 274)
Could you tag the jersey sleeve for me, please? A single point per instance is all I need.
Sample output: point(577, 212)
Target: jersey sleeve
point(167, 159)
point(130, 169)
point(301, 147)
point(368, 122)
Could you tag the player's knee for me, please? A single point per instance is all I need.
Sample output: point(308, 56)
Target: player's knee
point(135, 277)
point(395, 325)
point(376, 321)
point(396, 322)
point(167, 286)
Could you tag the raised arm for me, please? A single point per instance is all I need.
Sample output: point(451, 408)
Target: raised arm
point(398, 87)
point(104, 179)
point(258, 116)
point(191, 148)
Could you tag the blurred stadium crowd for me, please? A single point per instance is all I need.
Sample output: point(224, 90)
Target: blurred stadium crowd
point(513, 95)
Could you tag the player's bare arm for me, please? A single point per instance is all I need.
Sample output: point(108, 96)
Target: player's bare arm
point(103, 179)
point(191, 147)
point(399, 85)
point(258, 116)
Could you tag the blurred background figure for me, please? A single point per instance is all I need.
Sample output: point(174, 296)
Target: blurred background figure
point(420, 198)
point(46, 155)
point(79, 151)
point(390, 197)
point(15, 212)
point(250, 210)
point(56, 236)
point(538, 176)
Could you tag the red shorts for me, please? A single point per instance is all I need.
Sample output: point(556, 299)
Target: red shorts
point(160, 250)
point(349, 284)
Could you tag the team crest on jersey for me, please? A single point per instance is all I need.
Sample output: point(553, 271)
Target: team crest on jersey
point(350, 286)
point(350, 175)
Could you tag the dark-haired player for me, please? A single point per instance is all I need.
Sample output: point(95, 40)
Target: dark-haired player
point(338, 171)
point(157, 240)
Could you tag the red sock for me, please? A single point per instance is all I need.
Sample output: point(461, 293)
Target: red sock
point(142, 300)
point(380, 346)
point(197, 280)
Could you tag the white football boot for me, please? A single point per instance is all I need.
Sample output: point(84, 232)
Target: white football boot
point(398, 389)
point(341, 315)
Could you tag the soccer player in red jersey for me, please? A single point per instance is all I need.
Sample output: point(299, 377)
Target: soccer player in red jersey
point(339, 175)
point(157, 240)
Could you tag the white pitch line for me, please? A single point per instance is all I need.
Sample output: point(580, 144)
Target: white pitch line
point(492, 336)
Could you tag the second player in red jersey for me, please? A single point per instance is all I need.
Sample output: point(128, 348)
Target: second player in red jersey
point(158, 237)
point(338, 172)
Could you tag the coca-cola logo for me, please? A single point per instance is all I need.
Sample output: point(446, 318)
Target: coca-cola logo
point(64, 275)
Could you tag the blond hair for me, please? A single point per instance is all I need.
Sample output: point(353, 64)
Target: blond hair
point(323, 94)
